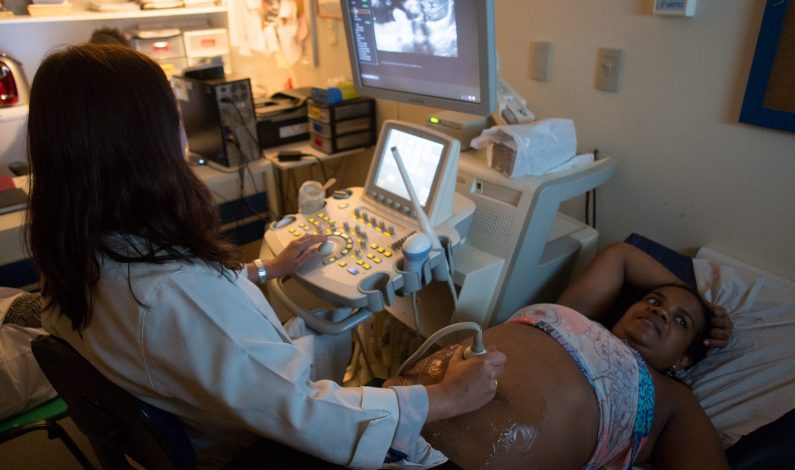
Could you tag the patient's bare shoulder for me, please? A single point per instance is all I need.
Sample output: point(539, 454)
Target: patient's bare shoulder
point(682, 435)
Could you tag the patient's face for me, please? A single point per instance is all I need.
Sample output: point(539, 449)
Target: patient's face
point(662, 325)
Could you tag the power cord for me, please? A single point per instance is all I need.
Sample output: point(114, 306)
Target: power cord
point(245, 161)
point(242, 120)
point(590, 200)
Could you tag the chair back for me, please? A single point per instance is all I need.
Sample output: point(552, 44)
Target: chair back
point(116, 423)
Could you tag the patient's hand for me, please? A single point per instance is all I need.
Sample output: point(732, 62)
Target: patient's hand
point(720, 328)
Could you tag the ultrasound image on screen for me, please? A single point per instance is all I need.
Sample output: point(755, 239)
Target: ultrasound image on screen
point(420, 157)
point(416, 26)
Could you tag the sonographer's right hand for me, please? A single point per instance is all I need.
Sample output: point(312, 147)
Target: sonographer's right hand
point(467, 385)
point(298, 252)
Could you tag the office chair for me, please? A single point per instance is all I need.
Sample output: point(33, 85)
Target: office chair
point(44, 417)
point(116, 423)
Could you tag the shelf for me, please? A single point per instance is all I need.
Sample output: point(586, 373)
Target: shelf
point(85, 15)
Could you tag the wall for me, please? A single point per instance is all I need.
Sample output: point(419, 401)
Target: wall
point(689, 174)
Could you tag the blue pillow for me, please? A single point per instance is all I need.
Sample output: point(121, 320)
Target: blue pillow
point(679, 264)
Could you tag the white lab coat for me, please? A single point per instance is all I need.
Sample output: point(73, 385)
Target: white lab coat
point(209, 348)
point(22, 383)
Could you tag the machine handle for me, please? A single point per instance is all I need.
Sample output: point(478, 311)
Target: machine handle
point(318, 324)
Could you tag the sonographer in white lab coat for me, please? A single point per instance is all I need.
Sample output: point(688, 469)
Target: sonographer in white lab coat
point(209, 348)
point(232, 372)
point(139, 282)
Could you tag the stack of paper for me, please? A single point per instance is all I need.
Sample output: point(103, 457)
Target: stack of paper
point(113, 5)
point(160, 4)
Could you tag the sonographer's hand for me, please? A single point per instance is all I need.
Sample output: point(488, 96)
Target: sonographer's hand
point(467, 385)
point(298, 252)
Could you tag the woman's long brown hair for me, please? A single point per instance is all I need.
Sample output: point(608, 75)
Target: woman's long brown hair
point(106, 159)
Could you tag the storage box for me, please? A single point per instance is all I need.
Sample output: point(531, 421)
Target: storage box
point(341, 143)
point(165, 44)
point(342, 126)
point(204, 44)
point(345, 110)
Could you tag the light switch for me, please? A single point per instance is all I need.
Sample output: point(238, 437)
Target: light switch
point(541, 61)
point(608, 69)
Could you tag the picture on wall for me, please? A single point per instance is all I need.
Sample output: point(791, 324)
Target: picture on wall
point(770, 97)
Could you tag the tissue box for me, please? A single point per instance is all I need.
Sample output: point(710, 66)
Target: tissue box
point(529, 149)
point(502, 158)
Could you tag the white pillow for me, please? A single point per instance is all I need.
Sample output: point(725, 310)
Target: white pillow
point(751, 382)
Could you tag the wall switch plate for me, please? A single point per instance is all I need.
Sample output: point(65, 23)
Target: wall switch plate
point(675, 7)
point(608, 69)
point(541, 61)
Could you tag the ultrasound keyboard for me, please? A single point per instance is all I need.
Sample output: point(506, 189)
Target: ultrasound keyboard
point(363, 269)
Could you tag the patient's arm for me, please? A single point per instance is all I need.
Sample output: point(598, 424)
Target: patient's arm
point(596, 290)
point(688, 440)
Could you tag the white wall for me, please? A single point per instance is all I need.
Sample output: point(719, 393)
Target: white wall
point(689, 174)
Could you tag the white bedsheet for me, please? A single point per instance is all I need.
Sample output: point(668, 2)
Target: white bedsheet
point(751, 382)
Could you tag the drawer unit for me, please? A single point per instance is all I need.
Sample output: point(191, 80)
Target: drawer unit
point(345, 110)
point(342, 126)
point(345, 142)
point(160, 45)
point(204, 44)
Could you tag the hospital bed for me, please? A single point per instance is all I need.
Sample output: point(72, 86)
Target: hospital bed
point(748, 388)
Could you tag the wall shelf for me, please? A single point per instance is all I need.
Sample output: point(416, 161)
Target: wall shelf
point(85, 15)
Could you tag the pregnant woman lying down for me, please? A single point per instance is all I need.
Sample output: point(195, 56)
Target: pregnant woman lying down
point(575, 395)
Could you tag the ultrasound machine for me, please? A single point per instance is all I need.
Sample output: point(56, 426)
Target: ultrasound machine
point(362, 266)
point(493, 244)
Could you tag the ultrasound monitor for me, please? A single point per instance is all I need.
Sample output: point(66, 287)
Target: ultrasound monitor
point(437, 53)
point(431, 160)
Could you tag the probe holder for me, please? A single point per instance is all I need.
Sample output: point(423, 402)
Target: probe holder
point(378, 290)
point(414, 281)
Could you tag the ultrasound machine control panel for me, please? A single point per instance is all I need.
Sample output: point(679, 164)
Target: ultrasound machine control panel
point(361, 265)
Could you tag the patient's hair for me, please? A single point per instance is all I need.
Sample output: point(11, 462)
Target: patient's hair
point(696, 350)
point(106, 159)
point(106, 35)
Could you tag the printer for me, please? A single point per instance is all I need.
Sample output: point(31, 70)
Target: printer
point(282, 117)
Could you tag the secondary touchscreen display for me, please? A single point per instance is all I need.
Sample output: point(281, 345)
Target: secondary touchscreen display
point(420, 157)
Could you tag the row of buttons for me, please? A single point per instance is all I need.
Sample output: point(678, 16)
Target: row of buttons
point(297, 233)
point(360, 262)
point(378, 228)
point(321, 216)
point(389, 202)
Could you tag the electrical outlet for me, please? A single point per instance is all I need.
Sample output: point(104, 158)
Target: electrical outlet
point(609, 66)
